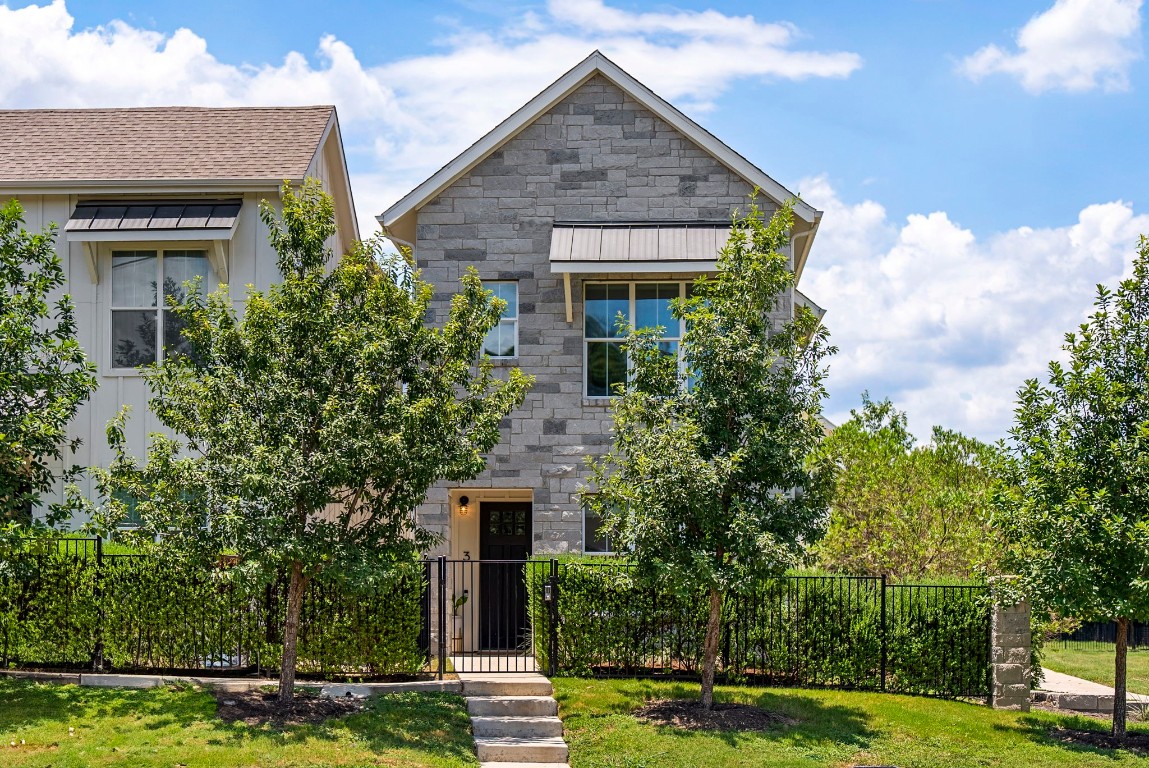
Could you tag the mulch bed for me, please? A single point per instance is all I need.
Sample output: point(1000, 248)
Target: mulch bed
point(689, 715)
point(1135, 742)
point(259, 708)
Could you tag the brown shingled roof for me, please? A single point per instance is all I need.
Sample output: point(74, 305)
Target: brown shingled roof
point(154, 143)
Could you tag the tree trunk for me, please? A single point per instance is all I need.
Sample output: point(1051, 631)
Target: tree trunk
point(1119, 678)
point(295, 589)
point(710, 648)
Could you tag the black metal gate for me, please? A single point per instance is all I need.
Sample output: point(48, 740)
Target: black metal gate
point(484, 613)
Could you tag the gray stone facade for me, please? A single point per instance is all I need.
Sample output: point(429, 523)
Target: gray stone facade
point(598, 155)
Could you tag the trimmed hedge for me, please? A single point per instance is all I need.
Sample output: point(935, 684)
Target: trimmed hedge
point(794, 630)
point(57, 609)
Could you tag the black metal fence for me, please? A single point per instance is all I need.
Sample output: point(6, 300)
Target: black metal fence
point(1101, 635)
point(67, 603)
point(829, 631)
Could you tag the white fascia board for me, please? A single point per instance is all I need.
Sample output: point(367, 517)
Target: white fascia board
point(147, 235)
point(623, 267)
point(804, 252)
point(336, 135)
point(141, 186)
point(596, 63)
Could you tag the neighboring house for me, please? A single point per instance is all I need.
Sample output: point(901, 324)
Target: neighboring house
point(156, 196)
point(596, 197)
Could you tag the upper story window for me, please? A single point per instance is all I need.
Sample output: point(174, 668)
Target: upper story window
point(143, 330)
point(503, 339)
point(644, 305)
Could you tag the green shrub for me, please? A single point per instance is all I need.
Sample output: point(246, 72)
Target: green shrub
point(147, 612)
point(793, 630)
point(47, 607)
point(937, 639)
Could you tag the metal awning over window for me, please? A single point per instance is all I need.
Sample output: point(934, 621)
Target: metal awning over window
point(168, 220)
point(211, 221)
point(605, 247)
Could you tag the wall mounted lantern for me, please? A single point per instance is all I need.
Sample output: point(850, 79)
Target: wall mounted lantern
point(464, 506)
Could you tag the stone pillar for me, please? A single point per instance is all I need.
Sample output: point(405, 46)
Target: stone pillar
point(1010, 650)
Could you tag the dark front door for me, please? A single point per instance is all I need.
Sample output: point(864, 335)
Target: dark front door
point(504, 534)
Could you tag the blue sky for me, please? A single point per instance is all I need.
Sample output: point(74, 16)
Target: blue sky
point(980, 163)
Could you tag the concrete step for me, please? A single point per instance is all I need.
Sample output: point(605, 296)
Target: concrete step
point(534, 686)
point(523, 727)
point(512, 706)
point(509, 749)
point(501, 764)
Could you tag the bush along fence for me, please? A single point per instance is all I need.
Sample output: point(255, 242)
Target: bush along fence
point(65, 603)
point(69, 604)
point(810, 631)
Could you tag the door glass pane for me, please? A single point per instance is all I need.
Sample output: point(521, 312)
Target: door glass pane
point(605, 367)
point(180, 267)
point(133, 279)
point(602, 306)
point(133, 338)
point(652, 306)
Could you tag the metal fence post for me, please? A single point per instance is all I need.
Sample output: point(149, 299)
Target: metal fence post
point(553, 646)
point(442, 614)
point(885, 635)
point(98, 594)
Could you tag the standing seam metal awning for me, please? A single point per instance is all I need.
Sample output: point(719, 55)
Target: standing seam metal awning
point(606, 247)
point(108, 221)
point(164, 220)
point(622, 247)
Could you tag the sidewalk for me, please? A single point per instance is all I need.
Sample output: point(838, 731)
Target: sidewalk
point(1078, 695)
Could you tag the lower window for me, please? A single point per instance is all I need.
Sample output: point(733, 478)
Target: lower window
point(596, 539)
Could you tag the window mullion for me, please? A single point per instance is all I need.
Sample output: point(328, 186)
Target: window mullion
point(160, 305)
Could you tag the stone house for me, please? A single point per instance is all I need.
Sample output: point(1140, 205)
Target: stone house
point(155, 196)
point(595, 197)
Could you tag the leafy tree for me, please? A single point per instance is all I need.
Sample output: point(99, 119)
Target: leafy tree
point(1074, 497)
point(902, 509)
point(313, 426)
point(44, 374)
point(698, 482)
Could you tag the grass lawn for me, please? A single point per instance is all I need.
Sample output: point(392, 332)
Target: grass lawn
point(1096, 664)
point(65, 725)
point(835, 729)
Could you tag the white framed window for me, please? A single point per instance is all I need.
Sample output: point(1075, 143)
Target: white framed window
point(503, 339)
point(595, 538)
point(644, 305)
point(142, 329)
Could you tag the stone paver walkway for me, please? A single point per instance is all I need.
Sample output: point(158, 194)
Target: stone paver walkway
point(1078, 695)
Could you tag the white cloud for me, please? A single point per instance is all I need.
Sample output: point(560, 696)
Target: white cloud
point(1077, 45)
point(401, 119)
point(948, 324)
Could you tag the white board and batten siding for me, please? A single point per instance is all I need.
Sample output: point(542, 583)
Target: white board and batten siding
point(251, 263)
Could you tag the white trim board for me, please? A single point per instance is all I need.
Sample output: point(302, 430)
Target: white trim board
point(146, 235)
point(626, 267)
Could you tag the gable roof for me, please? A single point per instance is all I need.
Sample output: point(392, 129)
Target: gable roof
point(398, 220)
point(52, 146)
